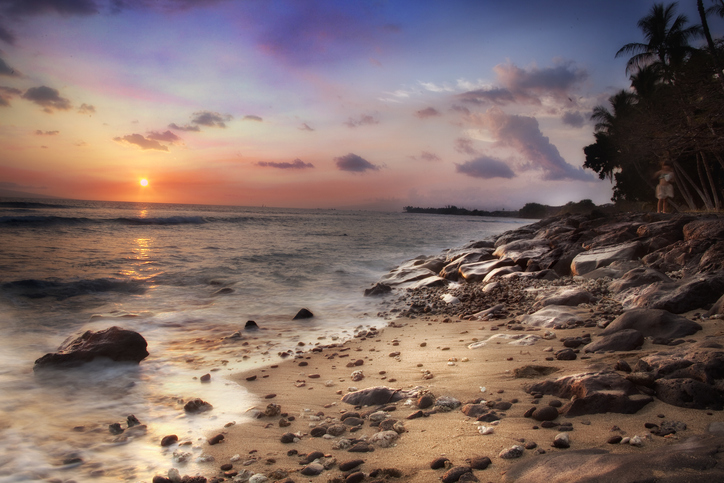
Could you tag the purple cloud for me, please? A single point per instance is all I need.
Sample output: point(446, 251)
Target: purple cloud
point(296, 164)
point(465, 146)
point(167, 137)
point(354, 163)
point(6, 70)
point(142, 142)
point(528, 86)
point(573, 119)
point(428, 156)
point(305, 127)
point(211, 119)
point(187, 127)
point(48, 98)
point(7, 93)
point(46, 133)
point(39, 7)
point(86, 109)
point(252, 118)
point(522, 134)
point(485, 167)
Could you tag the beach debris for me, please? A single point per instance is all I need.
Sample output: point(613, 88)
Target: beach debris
point(486, 429)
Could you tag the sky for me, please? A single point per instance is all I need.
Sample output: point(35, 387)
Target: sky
point(310, 104)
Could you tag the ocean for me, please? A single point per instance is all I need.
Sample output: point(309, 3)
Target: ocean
point(186, 277)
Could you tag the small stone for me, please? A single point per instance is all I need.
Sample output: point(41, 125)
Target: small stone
point(132, 421)
point(226, 467)
point(169, 440)
point(545, 413)
point(312, 469)
point(614, 439)
point(555, 403)
point(197, 405)
point(438, 463)
point(453, 474)
point(480, 462)
point(216, 439)
point(356, 477)
point(562, 440)
point(531, 445)
point(512, 452)
point(115, 428)
point(205, 378)
point(288, 438)
point(350, 465)
point(303, 314)
point(425, 401)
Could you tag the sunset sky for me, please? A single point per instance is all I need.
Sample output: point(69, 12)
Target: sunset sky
point(310, 104)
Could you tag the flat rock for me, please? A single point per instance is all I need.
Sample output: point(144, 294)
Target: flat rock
point(555, 316)
point(653, 323)
point(114, 343)
point(501, 272)
point(595, 258)
point(623, 340)
point(636, 278)
point(475, 272)
point(682, 296)
point(695, 460)
point(567, 297)
point(376, 396)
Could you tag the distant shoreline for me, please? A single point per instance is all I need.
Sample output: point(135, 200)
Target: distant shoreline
point(530, 210)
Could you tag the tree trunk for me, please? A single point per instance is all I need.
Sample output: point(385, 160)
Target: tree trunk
point(682, 186)
point(712, 183)
point(710, 41)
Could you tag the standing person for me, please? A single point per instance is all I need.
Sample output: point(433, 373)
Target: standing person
point(665, 188)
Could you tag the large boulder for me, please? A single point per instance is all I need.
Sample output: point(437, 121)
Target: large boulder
point(114, 343)
point(450, 270)
point(593, 393)
point(682, 296)
point(636, 278)
point(623, 340)
point(520, 251)
point(653, 323)
point(475, 272)
point(566, 296)
point(600, 257)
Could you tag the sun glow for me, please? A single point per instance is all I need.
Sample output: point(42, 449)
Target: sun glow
point(144, 182)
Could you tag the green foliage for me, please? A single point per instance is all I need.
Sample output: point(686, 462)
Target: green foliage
point(533, 210)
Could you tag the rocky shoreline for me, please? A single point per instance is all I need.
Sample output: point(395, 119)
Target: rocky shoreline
point(578, 348)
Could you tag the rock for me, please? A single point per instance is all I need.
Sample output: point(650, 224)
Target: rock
point(404, 276)
point(197, 405)
point(287, 438)
point(566, 355)
point(350, 465)
point(438, 463)
point(447, 403)
point(653, 323)
point(312, 469)
point(682, 296)
point(475, 272)
point(377, 290)
point(555, 317)
point(384, 439)
point(623, 340)
point(593, 392)
point(216, 439)
point(480, 462)
point(425, 401)
point(433, 281)
point(115, 428)
point(545, 413)
point(303, 314)
point(614, 439)
point(453, 474)
point(356, 477)
point(566, 297)
point(376, 396)
point(336, 429)
point(205, 378)
point(318, 431)
point(475, 410)
point(533, 371)
point(114, 343)
point(451, 270)
point(251, 325)
point(636, 278)
point(512, 452)
point(689, 393)
point(595, 258)
point(501, 272)
point(360, 447)
point(169, 440)
point(562, 440)
point(717, 308)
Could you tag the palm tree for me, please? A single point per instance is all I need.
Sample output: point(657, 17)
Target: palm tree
point(621, 103)
point(667, 41)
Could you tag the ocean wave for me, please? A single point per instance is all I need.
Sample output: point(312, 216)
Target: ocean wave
point(28, 204)
point(46, 221)
point(60, 290)
point(170, 220)
point(38, 220)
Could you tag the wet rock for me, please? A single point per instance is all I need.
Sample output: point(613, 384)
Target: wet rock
point(453, 474)
point(197, 405)
point(653, 323)
point(475, 272)
point(623, 340)
point(251, 325)
point(169, 440)
point(114, 343)
point(115, 428)
point(378, 290)
point(303, 314)
point(132, 421)
point(555, 317)
point(287, 438)
point(636, 278)
point(356, 477)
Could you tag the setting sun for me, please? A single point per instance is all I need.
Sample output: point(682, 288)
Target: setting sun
point(144, 182)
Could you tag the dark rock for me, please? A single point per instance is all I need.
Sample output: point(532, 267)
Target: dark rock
point(311, 457)
point(653, 323)
point(532, 371)
point(425, 401)
point(169, 440)
point(352, 421)
point(377, 290)
point(453, 474)
point(115, 428)
point(132, 421)
point(689, 393)
point(161, 479)
point(614, 439)
point(313, 469)
point(555, 403)
point(717, 308)
point(336, 429)
point(682, 296)
point(375, 396)
point(216, 439)
point(636, 278)
point(114, 343)
point(438, 463)
point(251, 325)
point(480, 462)
point(205, 378)
point(468, 478)
point(226, 467)
point(488, 417)
point(512, 452)
point(356, 477)
point(562, 441)
point(566, 355)
point(623, 340)
point(303, 314)
point(568, 296)
point(474, 410)
point(350, 464)
point(361, 447)
point(595, 258)
point(197, 406)
point(622, 366)
point(318, 431)
point(545, 413)
point(502, 405)
point(287, 438)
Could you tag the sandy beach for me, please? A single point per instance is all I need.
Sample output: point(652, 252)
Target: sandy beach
point(309, 389)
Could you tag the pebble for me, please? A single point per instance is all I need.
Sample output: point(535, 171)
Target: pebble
point(438, 463)
point(480, 462)
point(355, 477)
point(216, 439)
point(562, 440)
point(512, 452)
point(205, 378)
point(169, 440)
point(453, 474)
point(614, 439)
point(545, 413)
point(288, 438)
point(350, 465)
